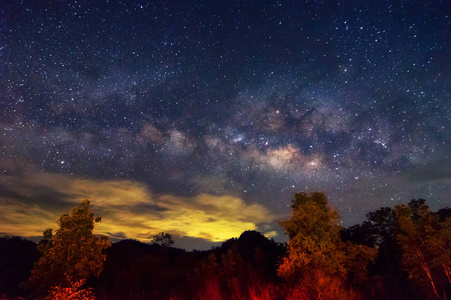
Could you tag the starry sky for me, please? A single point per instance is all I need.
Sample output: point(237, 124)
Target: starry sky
point(203, 118)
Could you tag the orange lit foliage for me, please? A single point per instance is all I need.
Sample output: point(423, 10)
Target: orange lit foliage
point(316, 253)
point(267, 291)
point(233, 277)
point(73, 252)
point(321, 286)
point(426, 248)
point(211, 290)
point(209, 275)
point(255, 291)
point(74, 291)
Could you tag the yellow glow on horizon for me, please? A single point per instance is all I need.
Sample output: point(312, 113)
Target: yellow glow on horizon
point(129, 210)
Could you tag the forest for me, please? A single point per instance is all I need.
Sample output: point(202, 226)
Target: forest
point(401, 252)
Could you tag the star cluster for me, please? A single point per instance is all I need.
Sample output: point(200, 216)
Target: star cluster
point(253, 100)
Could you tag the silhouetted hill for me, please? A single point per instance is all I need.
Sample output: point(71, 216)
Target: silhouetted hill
point(135, 269)
point(249, 241)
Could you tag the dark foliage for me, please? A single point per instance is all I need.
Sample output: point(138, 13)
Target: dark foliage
point(163, 239)
point(379, 231)
point(444, 213)
point(137, 270)
point(17, 257)
point(246, 267)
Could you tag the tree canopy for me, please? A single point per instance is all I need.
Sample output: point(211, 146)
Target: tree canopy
point(320, 261)
point(163, 239)
point(72, 254)
point(315, 244)
point(425, 239)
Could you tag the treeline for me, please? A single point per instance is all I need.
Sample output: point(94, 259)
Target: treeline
point(142, 271)
point(414, 250)
point(402, 252)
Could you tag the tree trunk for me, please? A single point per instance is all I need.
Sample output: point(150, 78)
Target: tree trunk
point(426, 268)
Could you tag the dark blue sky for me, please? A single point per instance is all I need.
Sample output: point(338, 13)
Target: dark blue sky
point(202, 118)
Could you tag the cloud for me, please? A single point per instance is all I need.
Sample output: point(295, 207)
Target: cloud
point(271, 234)
point(25, 219)
point(437, 169)
point(215, 218)
point(128, 209)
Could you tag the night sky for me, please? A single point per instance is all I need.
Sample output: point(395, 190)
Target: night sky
point(203, 118)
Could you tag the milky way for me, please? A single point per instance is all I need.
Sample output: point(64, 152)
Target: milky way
point(220, 111)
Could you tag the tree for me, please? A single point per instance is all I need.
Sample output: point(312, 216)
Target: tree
point(163, 239)
point(315, 244)
point(74, 291)
point(388, 276)
point(236, 272)
point(379, 231)
point(425, 240)
point(72, 254)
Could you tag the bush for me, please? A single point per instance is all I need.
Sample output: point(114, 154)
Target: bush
point(74, 291)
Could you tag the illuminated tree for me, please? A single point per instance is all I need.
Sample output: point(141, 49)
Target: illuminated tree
point(315, 244)
point(163, 239)
point(73, 252)
point(380, 231)
point(426, 247)
point(74, 291)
